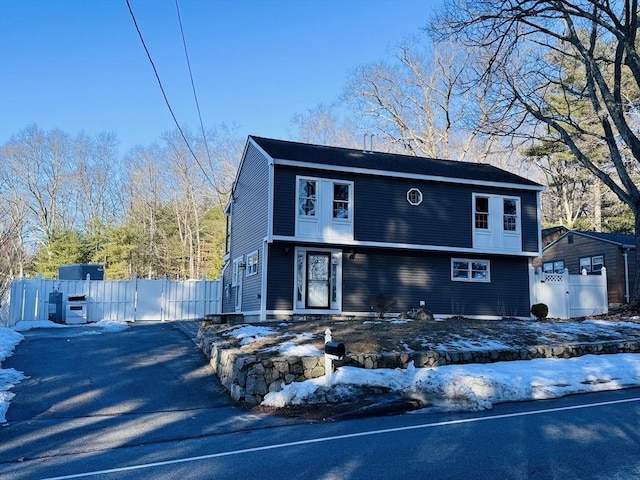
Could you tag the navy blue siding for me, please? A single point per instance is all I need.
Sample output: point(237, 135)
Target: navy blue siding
point(280, 276)
point(409, 277)
point(383, 214)
point(249, 225)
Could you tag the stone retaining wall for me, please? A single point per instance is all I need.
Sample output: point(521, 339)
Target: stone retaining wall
point(248, 377)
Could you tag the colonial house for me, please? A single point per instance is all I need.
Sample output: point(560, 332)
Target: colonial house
point(579, 251)
point(316, 230)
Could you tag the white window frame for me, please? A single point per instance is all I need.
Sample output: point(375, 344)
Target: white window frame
point(589, 268)
point(516, 216)
point(315, 197)
point(300, 280)
point(418, 196)
point(470, 270)
point(235, 275)
point(348, 202)
point(252, 264)
point(495, 237)
point(556, 266)
point(323, 225)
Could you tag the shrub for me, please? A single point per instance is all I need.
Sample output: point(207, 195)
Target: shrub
point(540, 310)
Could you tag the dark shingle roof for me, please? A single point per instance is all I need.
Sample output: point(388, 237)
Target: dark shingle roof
point(388, 162)
point(621, 239)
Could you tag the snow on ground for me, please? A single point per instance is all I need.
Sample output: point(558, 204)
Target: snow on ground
point(451, 387)
point(473, 386)
point(10, 337)
point(8, 377)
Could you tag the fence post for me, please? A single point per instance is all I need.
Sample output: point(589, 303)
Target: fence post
point(163, 297)
point(566, 288)
point(135, 296)
point(604, 290)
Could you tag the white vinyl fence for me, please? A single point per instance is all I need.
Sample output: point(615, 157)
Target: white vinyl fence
point(571, 296)
point(128, 300)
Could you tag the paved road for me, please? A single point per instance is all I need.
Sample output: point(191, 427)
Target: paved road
point(90, 392)
point(132, 412)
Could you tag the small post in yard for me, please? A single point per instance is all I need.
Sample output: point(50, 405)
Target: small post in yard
point(328, 362)
point(332, 351)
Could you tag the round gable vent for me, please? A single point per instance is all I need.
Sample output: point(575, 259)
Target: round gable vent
point(414, 196)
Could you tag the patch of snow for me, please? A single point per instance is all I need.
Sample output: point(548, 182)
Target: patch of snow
point(250, 333)
point(292, 349)
point(479, 386)
point(10, 377)
point(25, 325)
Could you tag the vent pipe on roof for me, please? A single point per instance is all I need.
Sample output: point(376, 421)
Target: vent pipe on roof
point(370, 135)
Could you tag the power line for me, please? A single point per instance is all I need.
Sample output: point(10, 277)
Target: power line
point(166, 100)
point(193, 86)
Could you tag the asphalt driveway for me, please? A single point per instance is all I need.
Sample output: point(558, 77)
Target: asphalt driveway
point(90, 390)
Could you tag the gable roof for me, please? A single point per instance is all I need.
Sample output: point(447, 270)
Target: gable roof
point(620, 239)
point(347, 159)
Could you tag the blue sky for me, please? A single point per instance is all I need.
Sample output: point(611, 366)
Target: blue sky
point(79, 65)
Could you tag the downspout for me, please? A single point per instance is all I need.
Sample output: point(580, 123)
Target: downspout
point(625, 254)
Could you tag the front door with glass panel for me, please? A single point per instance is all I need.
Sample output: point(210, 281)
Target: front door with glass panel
point(318, 283)
point(318, 279)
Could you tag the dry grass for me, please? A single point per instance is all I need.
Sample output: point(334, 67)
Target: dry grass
point(390, 335)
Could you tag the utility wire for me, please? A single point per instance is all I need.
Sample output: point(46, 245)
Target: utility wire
point(166, 100)
point(193, 86)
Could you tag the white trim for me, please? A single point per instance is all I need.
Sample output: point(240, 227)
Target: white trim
point(270, 201)
point(323, 226)
point(263, 287)
point(338, 282)
point(404, 175)
point(408, 246)
point(539, 217)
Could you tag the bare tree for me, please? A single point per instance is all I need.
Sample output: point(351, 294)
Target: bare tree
point(521, 42)
point(421, 104)
point(323, 125)
point(38, 168)
point(99, 181)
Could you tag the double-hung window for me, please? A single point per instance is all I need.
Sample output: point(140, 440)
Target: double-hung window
point(341, 200)
point(307, 197)
point(252, 264)
point(510, 214)
point(482, 213)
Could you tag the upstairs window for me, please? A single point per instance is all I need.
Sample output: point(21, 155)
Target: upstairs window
point(510, 215)
point(307, 198)
point(482, 213)
point(341, 200)
point(496, 222)
point(324, 209)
